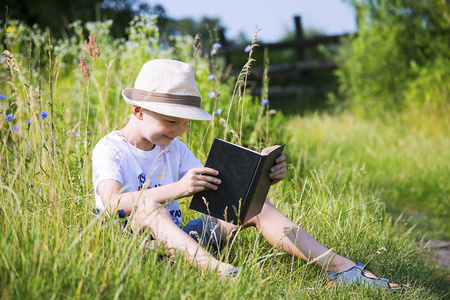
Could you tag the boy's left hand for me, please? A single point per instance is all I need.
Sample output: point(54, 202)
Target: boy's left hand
point(278, 172)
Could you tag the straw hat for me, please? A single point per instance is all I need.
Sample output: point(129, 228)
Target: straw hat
point(167, 87)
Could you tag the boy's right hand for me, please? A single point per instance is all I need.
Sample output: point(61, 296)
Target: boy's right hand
point(197, 180)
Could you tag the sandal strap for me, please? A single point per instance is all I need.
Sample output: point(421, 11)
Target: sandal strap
point(355, 275)
point(231, 272)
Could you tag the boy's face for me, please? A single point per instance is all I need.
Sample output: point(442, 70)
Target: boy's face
point(161, 129)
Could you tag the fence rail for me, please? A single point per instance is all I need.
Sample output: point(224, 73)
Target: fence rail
point(299, 44)
point(296, 68)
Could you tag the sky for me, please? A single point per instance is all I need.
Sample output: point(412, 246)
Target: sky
point(273, 17)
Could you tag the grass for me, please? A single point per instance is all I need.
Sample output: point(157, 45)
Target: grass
point(53, 246)
point(404, 158)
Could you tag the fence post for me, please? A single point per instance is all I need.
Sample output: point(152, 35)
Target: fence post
point(301, 53)
point(299, 36)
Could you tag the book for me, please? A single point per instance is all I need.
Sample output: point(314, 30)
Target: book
point(245, 182)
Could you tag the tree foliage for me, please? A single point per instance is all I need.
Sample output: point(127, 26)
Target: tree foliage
point(208, 29)
point(399, 57)
point(58, 15)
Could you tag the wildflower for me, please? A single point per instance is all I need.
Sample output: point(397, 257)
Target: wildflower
point(213, 51)
point(265, 102)
point(15, 128)
point(211, 95)
point(9, 117)
point(248, 48)
point(217, 46)
point(29, 122)
point(43, 115)
point(211, 77)
point(217, 112)
point(2, 96)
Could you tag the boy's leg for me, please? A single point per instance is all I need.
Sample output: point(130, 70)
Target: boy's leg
point(153, 216)
point(287, 236)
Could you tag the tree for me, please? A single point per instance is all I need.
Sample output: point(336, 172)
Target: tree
point(58, 15)
point(208, 28)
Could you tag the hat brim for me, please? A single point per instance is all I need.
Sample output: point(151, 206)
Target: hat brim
point(169, 109)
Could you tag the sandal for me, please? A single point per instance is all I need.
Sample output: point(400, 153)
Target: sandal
point(231, 272)
point(355, 275)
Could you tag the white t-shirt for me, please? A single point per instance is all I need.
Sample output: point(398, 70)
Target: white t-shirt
point(115, 158)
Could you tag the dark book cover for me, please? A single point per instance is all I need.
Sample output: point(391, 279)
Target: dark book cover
point(245, 182)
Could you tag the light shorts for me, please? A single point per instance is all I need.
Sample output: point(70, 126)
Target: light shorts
point(205, 231)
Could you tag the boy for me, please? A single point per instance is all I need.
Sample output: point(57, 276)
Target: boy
point(145, 167)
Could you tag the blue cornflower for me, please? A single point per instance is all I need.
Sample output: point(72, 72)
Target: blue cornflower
point(211, 77)
point(29, 122)
point(217, 46)
point(43, 115)
point(218, 112)
point(265, 102)
point(248, 48)
point(9, 117)
point(2, 96)
point(211, 94)
point(15, 128)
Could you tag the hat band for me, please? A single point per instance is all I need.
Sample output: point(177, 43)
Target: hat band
point(141, 95)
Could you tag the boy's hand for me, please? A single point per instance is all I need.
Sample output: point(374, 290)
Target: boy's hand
point(278, 171)
point(197, 180)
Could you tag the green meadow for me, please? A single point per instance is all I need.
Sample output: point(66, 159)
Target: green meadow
point(370, 188)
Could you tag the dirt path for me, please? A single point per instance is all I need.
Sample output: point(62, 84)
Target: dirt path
point(441, 253)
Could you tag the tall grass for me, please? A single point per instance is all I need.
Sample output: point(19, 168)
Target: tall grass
point(404, 158)
point(53, 246)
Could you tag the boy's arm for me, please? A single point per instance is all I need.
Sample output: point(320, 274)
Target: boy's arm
point(194, 181)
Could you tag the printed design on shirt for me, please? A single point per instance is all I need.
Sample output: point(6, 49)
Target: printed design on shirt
point(175, 213)
point(142, 179)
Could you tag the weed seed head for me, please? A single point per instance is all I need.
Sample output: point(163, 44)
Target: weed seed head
point(84, 68)
point(92, 48)
point(197, 40)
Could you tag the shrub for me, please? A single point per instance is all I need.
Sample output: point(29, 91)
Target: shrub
point(400, 47)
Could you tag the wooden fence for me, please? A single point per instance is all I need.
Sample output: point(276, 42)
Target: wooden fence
point(299, 67)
